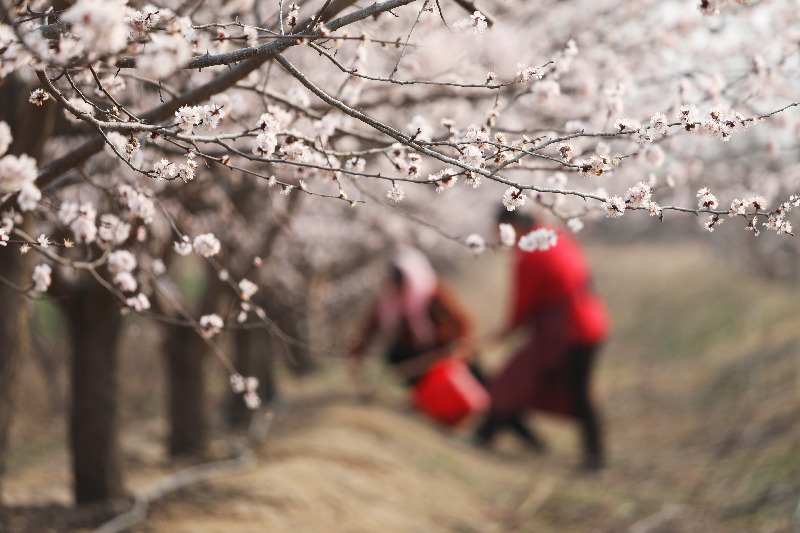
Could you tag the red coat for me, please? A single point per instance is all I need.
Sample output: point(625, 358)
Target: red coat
point(553, 298)
point(549, 279)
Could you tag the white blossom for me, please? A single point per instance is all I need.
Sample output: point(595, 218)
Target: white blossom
point(706, 200)
point(112, 229)
point(575, 225)
point(688, 117)
point(210, 116)
point(121, 261)
point(5, 137)
point(477, 23)
point(654, 209)
point(472, 156)
point(658, 123)
point(139, 203)
point(596, 165)
point(16, 171)
point(526, 73)
point(206, 245)
point(184, 247)
point(614, 207)
point(210, 325)
point(475, 243)
point(296, 152)
point(292, 15)
point(140, 302)
point(163, 55)
point(478, 136)
point(252, 400)
point(125, 281)
point(237, 383)
point(83, 227)
point(143, 21)
point(539, 239)
point(712, 221)
point(99, 24)
point(186, 170)
point(513, 198)
point(566, 150)
point(626, 124)
point(444, 179)
point(163, 169)
point(188, 117)
point(396, 194)
point(639, 195)
point(159, 268)
point(247, 288)
point(264, 144)
point(41, 277)
point(643, 135)
point(29, 197)
point(508, 236)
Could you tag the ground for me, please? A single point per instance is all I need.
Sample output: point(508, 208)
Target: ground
point(700, 393)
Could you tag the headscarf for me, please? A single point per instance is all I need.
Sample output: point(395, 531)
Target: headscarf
point(412, 303)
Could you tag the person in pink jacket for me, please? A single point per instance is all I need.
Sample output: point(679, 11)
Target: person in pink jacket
point(566, 323)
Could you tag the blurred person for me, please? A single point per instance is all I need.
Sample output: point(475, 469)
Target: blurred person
point(420, 316)
point(565, 324)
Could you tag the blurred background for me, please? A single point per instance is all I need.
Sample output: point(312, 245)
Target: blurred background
point(698, 386)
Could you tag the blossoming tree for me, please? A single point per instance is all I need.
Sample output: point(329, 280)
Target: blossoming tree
point(137, 133)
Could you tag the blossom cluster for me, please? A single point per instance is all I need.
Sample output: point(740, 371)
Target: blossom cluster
point(540, 239)
point(249, 385)
point(477, 22)
point(18, 173)
point(206, 245)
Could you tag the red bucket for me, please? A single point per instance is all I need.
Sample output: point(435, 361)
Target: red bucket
point(449, 392)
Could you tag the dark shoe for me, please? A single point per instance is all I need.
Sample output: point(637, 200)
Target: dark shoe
point(537, 446)
point(591, 464)
point(481, 442)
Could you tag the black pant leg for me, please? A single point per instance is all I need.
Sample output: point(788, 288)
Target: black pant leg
point(582, 361)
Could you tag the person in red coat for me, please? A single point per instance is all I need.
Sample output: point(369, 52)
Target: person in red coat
point(566, 323)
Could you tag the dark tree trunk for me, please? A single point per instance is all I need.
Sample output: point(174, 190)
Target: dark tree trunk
point(294, 324)
point(253, 358)
point(15, 268)
point(14, 337)
point(95, 323)
point(187, 413)
point(186, 354)
point(291, 321)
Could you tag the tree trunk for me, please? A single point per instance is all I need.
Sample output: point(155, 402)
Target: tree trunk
point(187, 413)
point(290, 319)
point(186, 354)
point(294, 324)
point(15, 268)
point(95, 323)
point(14, 338)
